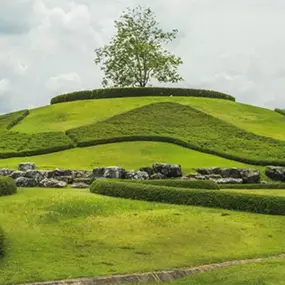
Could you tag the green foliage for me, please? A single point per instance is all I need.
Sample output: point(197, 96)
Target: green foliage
point(190, 184)
point(136, 55)
point(7, 186)
point(187, 127)
point(9, 120)
point(2, 237)
point(14, 144)
point(253, 186)
point(139, 92)
point(216, 199)
point(280, 111)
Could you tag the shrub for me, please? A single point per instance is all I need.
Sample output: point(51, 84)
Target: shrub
point(18, 119)
point(138, 92)
point(253, 186)
point(1, 242)
point(280, 111)
point(216, 199)
point(190, 184)
point(7, 121)
point(7, 186)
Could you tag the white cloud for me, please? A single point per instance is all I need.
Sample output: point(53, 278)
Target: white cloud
point(4, 86)
point(69, 81)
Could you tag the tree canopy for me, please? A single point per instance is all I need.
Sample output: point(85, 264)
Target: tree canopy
point(137, 54)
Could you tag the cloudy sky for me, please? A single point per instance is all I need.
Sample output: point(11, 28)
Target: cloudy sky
point(233, 46)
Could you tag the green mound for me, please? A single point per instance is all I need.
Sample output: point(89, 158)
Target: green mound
point(19, 144)
point(123, 154)
point(9, 120)
point(56, 234)
point(186, 126)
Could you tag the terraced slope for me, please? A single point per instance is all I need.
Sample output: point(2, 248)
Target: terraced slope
point(64, 116)
point(183, 125)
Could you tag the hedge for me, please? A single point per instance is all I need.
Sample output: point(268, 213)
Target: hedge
point(1, 242)
point(138, 92)
point(190, 184)
point(253, 186)
point(216, 199)
point(280, 111)
point(18, 119)
point(7, 186)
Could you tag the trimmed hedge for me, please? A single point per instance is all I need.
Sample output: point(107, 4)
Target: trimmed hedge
point(216, 199)
point(253, 186)
point(7, 186)
point(7, 121)
point(280, 111)
point(190, 184)
point(138, 92)
point(18, 119)
point(2, 237)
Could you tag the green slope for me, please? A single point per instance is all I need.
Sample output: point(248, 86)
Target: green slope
point(185, 126)
point(130, 155)
point(9, 120)
point(64, 116)
point(61, 233)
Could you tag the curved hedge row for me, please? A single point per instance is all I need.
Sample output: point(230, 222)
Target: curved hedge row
point(18, 119)
point(1, 242)
point(7, 121)
point(189, 184)
point(275, 186)
point(280, 111)
point(215, 199)
point(138, 92)
point(7, 186)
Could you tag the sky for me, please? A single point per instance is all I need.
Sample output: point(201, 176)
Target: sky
point(233, 46)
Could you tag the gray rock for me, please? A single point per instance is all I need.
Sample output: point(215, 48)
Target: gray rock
point(17, 174)
point(168, 170)
point(209, 171)
point(83, 180)
point(250, 176)
point(24, 166)
point(26, 182)
point(148, 170)
point(109, 172)
point(229, 181)
point(275, 173)
point(52, 183)
point(98, 172)
point(66, 179)
point(62, 172)
point(80, 185)
point(38, 175)
point(158, 176)
point(136, 175)
point(82, 174)
point(231, 172)
point(5, 172)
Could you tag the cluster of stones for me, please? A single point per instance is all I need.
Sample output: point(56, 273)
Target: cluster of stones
point(28, 176)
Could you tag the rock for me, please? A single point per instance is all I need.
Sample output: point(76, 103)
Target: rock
point(275, 173)
point(109, 172)
point(231, 172)
point(136, 175)
point(82, 174)
point(66, 179)
point(148, 170)
point(62, 172)
point(26, 182)
point(83, 180)
point(168, 170)
point(17, 174)
point(158, 176)
point(5, 172)
point(209, 171)
point(213, 176)
point(229, 181)
point(36, 174)
point(52, 183)
point(80, 185)
point(250, 176)
point(24, 166)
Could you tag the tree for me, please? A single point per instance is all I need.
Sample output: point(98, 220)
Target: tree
point(136, 53)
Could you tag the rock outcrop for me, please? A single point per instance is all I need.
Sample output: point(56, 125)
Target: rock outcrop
point(275, 173)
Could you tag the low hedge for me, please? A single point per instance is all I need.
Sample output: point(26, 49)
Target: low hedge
point(7, 186)
point(190, 184)
point(280, 111)
point(138, 92)
point(18, 119)
point(253, 186)
point(1, 242)
point(216, 199)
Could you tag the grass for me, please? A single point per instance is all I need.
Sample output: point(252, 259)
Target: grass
point(63, 233)
point(267, 273)
point(191, 127)
point(61, 117)
point(280, 111)
point(7, 120)
point(122, 154)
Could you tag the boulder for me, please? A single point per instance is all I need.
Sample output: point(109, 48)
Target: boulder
point(275, 173)
point(80, 185)
point(62, 172)
point(196, 176)
point(16, 174)
point(5, 172)
point(229, 181)
point(136, 175)
point(83, 180)
point(168, 170)
point(26, 182)
point(109, 172)
point(250, 176)
point(158, 176)
point(209, 171)
point(148, 170)
point(52, 183)
point(98, 172)
point(24, 166)
point(38, 175)
point(82, 174)
point(66, 179)
point(231, 172)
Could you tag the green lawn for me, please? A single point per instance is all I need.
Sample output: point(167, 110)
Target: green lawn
point(64, 116)
point(130, 155)
point(197, 129)
point(67, 233)
point(268, 273)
